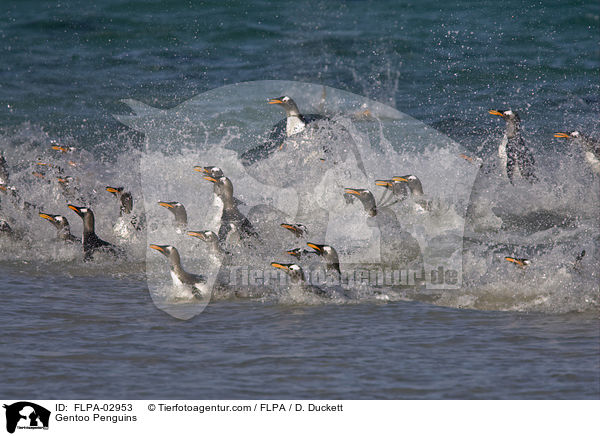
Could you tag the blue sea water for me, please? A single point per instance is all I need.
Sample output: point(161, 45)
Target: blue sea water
point(74, 330)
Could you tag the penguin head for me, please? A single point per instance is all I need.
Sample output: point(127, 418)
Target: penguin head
point(125, 198)
point(214, 172)
point(223, 187)
point(520, 262)
point(297, 229)
point(65, 181)
point(326, 251)
point(413, 182)
point(61, 148)
point(287, 103)
point(58, 221)
point(117, 192)
point(572, 135)
point(204, 235)
point(174, 206)
point(86, 214)
point(166, 250)
point(294, 271)
point(82, 211)
point(365, 196)
point(508, 115)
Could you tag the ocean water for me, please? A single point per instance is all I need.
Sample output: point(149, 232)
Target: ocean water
point(147, 91)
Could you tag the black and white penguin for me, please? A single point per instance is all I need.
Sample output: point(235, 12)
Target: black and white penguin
point(63, 229)
point(179, 213)
point(217, 253)
point(398, 248)
point(195, 283)
point(128, 223)
point(329, 255)
point(92, 244)
point(591, 148)
point(231, 218)
point(295, 123)
point(513, 153)
point(297, 279)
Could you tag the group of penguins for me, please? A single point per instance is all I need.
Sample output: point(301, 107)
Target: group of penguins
point(235, 229)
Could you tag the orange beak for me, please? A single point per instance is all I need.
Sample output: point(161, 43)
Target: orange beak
point(163, 204)
point(496, 113)
point(156, 247)
point(561, 135)
point(275, 101)
point(278, 265)
point(210, 179)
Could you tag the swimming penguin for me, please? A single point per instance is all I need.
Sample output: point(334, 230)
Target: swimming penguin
point(298, 230)
point(127, 223)
point(294, 124)
point(366, 198)
point(590, 147)
point(212, 171)
point(398, 248)
point(195, 283)
point(217, 252)
point(398, 188)
point(231, 217)
point(415, 187)
point(297, 278)
point(520, 262)
point(63, 229)
point(178, 211)
point(329, 254)
point(91, 242)
point(55, 145)
point(512, 151)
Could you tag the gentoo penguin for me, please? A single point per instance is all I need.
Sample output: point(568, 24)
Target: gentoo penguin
point(297, 278)
point(293, 124)
point(591, 148)
point(214, 248)
point(520, 262)
point(231, 217)
point(178, 211)
point(329, 254)
point(63, 229)
point(366, 198)
point(195, 283)
point(398, 188)
point(398, 247)
point(127, 223)
point(298, 230)
point(91, 242)
point(512, 151)
point(415, 187)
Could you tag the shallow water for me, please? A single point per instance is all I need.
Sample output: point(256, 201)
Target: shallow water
point(69, 337)
point(75, 330)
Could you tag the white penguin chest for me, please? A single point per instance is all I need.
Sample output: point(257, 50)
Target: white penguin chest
point(294, 125)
